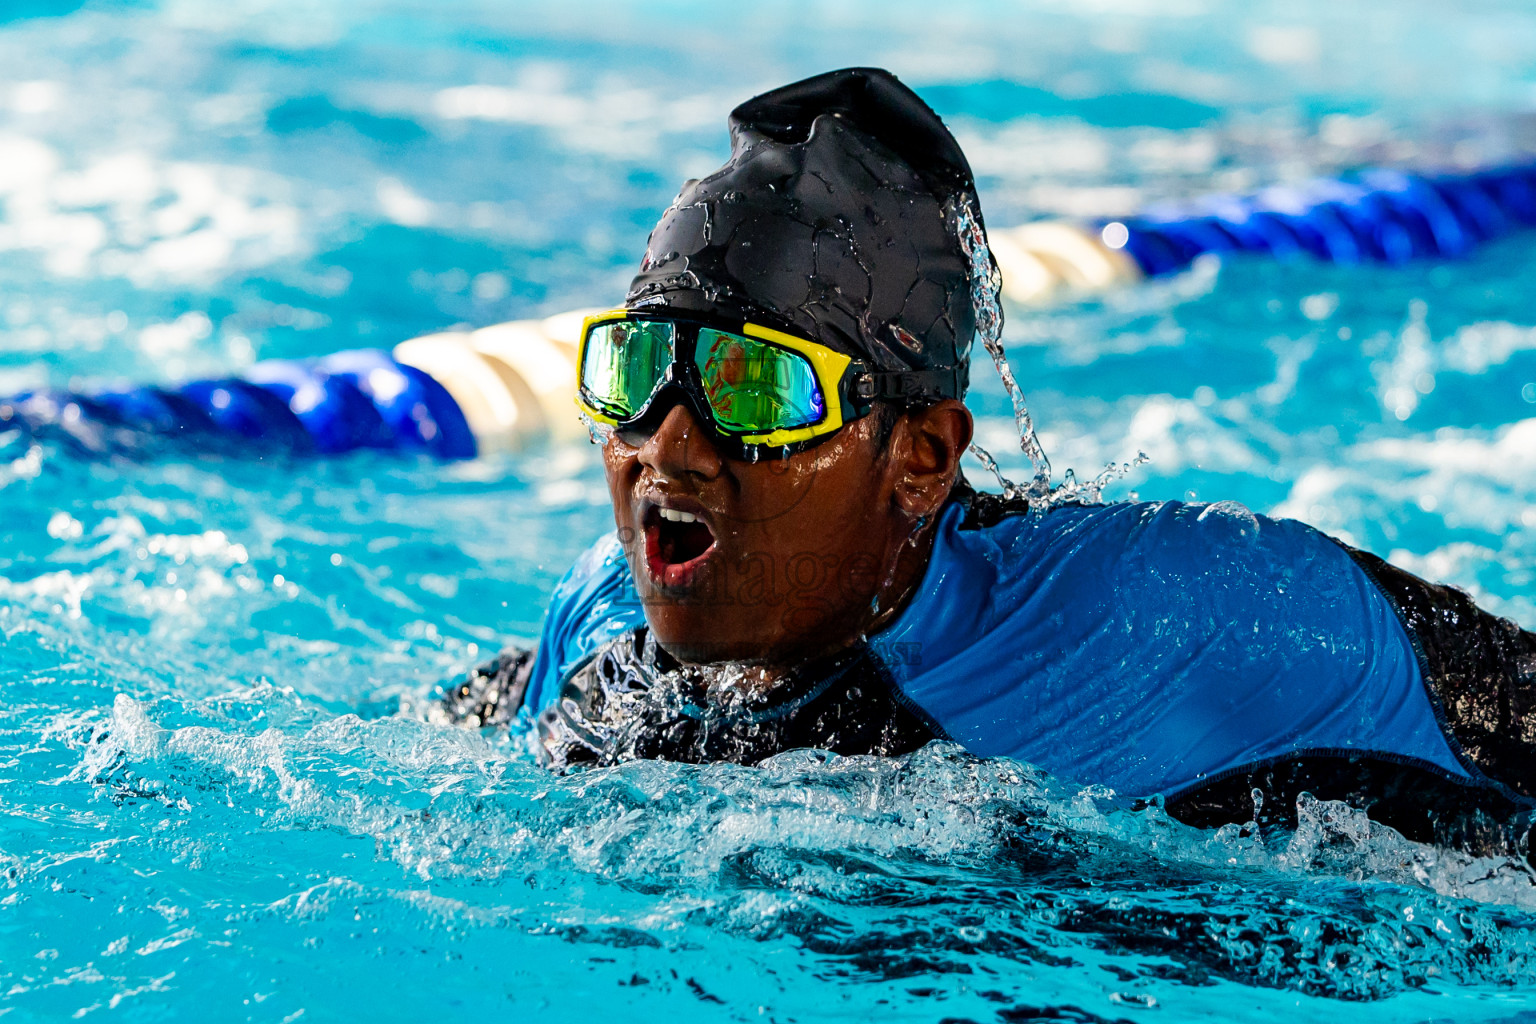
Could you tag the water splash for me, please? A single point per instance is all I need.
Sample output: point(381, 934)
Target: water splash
point(1010, 489)
point(986, 301)
point(598, 433)
point(854, 861)
point(1092, 492)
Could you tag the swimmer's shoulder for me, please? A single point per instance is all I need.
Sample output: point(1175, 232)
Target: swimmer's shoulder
point(594, 602)
point(1156, 544)
point(597, 570)
point(1216, 563)
point(1096, 640)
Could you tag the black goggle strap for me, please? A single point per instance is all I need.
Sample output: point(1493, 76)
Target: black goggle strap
point(905, 387)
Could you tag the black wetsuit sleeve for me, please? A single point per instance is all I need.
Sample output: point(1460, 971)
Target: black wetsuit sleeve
point(1480, 667)
point(1481, 673)
point(492, 694)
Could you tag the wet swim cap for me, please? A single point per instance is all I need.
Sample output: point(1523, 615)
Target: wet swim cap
point(837, 217)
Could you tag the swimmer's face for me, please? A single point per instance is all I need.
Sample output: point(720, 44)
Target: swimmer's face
point(780, 560)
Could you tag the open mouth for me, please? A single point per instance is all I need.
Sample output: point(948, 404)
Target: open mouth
point(677, 543)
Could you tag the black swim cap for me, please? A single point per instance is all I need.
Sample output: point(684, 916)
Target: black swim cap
point(838, 217)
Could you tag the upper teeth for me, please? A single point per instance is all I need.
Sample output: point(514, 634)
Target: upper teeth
point(678, 517)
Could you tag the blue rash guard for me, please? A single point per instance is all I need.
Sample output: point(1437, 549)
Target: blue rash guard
point(1149, 647)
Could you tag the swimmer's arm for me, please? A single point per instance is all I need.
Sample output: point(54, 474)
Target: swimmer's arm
point(1481, 668)
point(491, 695)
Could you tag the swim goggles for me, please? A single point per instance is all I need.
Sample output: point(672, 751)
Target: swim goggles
point(753, 387)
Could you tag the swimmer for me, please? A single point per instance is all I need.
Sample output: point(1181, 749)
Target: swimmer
point(798, 560)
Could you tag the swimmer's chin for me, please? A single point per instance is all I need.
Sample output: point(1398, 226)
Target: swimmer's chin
point(693, 651)
point(779, 653)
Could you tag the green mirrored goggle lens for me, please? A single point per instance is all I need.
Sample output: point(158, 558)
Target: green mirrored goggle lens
point(756, 387)
point(624, 362)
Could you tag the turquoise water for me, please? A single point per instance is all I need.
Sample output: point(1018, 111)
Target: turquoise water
point(218, 796)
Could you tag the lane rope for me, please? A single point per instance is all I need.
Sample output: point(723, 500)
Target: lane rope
point(457, 394)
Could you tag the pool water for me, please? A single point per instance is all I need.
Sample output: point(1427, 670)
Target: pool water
point(219, 795)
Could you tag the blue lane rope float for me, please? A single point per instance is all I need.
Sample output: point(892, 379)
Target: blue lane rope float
point(456, 394)
point(451, 396)
point(1376, 216)
point(1379, 216)
point(343, 402)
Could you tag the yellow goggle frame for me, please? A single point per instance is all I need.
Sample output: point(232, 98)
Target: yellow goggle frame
point(828, 366)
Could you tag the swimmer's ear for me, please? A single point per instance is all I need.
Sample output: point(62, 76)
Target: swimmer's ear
point(927, 445)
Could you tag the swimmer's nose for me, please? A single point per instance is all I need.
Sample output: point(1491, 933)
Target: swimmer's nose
point(680, 447)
